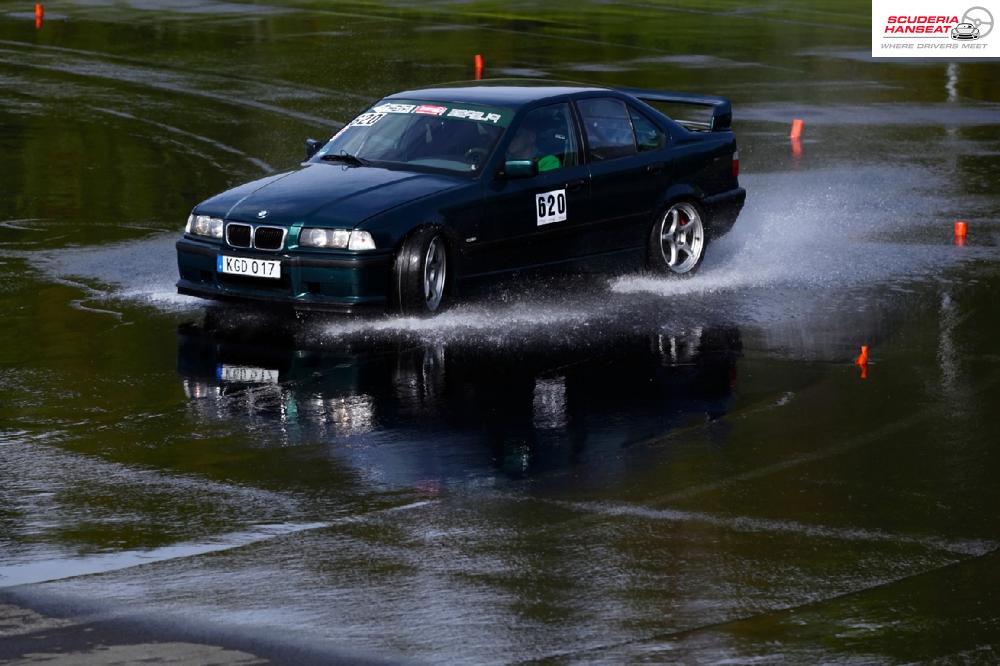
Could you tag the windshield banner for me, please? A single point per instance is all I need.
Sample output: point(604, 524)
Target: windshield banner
point(474, 112)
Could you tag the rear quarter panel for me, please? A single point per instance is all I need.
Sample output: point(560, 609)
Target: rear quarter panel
point(702, 163)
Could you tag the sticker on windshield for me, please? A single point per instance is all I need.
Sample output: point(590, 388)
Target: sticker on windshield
point(431, 110)
point(393, 107)
point(367, 119)
point(550, 207)
point(471, 114)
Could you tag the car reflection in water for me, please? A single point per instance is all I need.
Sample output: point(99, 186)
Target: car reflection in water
point(402, 410)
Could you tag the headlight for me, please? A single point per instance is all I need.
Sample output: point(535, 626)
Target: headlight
point(336, 238)
point(361, 240)
point(203, 225)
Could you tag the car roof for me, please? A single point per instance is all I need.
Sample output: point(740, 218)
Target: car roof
point(511, 93)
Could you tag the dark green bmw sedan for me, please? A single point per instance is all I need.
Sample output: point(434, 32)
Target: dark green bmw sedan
point(429, 189)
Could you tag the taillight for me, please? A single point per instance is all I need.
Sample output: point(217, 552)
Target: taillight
point(736, 164)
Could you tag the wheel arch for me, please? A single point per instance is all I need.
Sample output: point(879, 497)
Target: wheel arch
point(679, 192)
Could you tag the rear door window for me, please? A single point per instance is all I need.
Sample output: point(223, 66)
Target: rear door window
point(608, 128)
point(647, 135)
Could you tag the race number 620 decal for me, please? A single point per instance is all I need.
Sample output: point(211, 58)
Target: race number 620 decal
point(367, 119)
point(550, 206)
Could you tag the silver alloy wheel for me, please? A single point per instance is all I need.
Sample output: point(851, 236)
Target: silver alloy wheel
point(435, 265)
point(682, 237)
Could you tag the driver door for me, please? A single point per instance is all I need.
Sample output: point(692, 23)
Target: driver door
point(535, 221)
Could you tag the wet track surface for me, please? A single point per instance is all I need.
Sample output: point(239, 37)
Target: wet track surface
point(592, 469)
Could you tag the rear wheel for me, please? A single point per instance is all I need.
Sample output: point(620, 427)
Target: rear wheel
point(677, 242)
point(420, 274)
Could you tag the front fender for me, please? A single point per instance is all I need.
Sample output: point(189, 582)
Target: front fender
point(450, 213)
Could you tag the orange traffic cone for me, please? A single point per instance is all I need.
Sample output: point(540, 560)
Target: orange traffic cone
point(961, 231)
point(797, 125)
point(862, 361)
point(862, 358)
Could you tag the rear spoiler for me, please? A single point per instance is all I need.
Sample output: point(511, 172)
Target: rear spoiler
point(721, 108)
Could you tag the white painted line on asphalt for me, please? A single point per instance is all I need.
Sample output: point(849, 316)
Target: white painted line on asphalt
point(751, 524)
point(50, 570)
point(71, 567)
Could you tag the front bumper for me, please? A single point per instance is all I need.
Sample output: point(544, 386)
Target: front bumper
point(313, 281)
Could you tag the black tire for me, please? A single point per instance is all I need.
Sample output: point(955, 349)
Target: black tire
point(678, 240)
point(420, 274)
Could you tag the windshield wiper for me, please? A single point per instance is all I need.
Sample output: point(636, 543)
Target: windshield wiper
point(347, 158)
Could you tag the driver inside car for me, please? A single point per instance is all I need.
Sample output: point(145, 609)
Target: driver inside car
point(524, 146)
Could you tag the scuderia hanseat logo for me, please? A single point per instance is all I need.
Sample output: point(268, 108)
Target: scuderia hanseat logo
point(931, 29)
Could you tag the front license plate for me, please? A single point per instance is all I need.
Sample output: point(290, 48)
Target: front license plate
point(244, 374)
point(261, 268)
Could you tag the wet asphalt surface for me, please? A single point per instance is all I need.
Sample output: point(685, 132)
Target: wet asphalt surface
point(592, 469)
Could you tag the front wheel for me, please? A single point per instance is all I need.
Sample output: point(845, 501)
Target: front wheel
point(677, 242)
point(420, 274)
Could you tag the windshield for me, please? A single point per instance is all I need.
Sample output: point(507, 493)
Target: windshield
point(436, 135)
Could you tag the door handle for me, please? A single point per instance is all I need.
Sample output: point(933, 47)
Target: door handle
point(655, 168)
point(576, 184)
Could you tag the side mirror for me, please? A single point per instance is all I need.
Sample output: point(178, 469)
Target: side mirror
point(519, 169)
point(312, 145)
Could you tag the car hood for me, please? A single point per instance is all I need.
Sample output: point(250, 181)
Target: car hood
point(326, 194)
